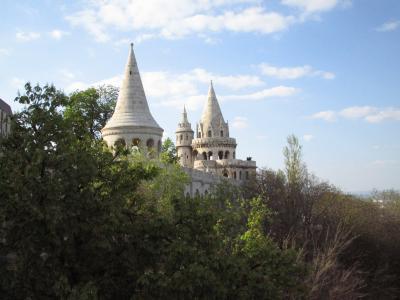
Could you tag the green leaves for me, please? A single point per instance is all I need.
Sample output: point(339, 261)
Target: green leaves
point(80, 221)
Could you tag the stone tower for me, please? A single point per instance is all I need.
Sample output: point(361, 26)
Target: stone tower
point(184, 137)
point(132, 123)
point(212, 140)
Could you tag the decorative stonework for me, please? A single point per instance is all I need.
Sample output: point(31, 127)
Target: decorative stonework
point(212, 152)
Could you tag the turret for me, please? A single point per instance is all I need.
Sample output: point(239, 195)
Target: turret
point(184, 137)
point(132, 123)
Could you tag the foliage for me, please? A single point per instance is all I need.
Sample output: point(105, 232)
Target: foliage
point(82, 222)
point(168, 152)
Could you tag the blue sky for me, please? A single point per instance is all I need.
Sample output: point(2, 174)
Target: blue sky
point(325, 70)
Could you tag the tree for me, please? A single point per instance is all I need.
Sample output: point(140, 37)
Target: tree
point(82, 222)
point(92, 108)
point(168, 152)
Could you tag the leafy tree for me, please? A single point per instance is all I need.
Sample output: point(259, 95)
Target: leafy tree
point(168, 152)
point(82, 222)
point(91, 109)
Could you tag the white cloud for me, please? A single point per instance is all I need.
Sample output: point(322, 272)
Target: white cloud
point(17, 83)
point(389, 26)
point(315, 6)
point(176, 89)
point(58, 34)
point(293, 72)
point(328, 115)
point(308, 137)
point(384, 115)
point(240, 123)
point(382, 162)
point(4, 52)
point(177, 19)
point(369, 114)
point(67, 75)
point(274, 92)
point(27, 36)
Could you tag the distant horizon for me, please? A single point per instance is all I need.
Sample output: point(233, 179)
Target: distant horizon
point(326, 71)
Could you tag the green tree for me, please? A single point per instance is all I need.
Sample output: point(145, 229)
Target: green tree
point(168, 152)
point(82, 222)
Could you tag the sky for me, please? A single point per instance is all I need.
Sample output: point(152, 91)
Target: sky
point(327, 71)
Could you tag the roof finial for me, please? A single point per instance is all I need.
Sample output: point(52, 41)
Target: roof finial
point(131, 45)
point(211, 82)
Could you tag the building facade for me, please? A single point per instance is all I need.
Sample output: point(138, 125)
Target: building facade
point(211, 150)
point(206, 155)
point(5, 115)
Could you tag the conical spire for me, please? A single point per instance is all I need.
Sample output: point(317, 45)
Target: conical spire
point(184, 116)
point(212, 112)
point(132, 108)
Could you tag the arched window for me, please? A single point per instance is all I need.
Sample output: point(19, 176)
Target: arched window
point(220, 154)
point(120, 143)
point(197, 193)
point(210, 155)
point(206, 193)
point(186, 137)
point(234, 175)
point(209, 133)
point(194, 155)
point(199, 134)
point(204, 156)
point(187, 195)
point(181, 137)
point(226, 154)
point(222, 133)
point(150, 143)
point(225, 174)
point(136, 142)
point(240, 174)
point(150, 147)
point(234, 155)
point(247, 175)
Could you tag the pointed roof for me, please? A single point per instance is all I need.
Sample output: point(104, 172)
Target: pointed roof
point(184, 116)
point(132, 108)
point(212, 114)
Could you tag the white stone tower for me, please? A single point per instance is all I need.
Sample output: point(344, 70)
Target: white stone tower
point(184, 137)
point(212, 140)
point(132, 123)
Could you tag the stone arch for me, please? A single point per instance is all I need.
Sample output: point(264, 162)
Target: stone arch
point(136, 142)
point(150, 147)
point(209, 133)
point(210, 155)
point(226, 155)
point(120, 143)
point(204, 155)
point(197, 193)
point(225, 173)
point(150, 143)
point(194, 154)
point(220, 154)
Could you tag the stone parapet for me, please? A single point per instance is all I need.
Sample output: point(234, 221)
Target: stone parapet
point(213, 142)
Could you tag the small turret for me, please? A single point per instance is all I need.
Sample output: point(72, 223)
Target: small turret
point(184, 137)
